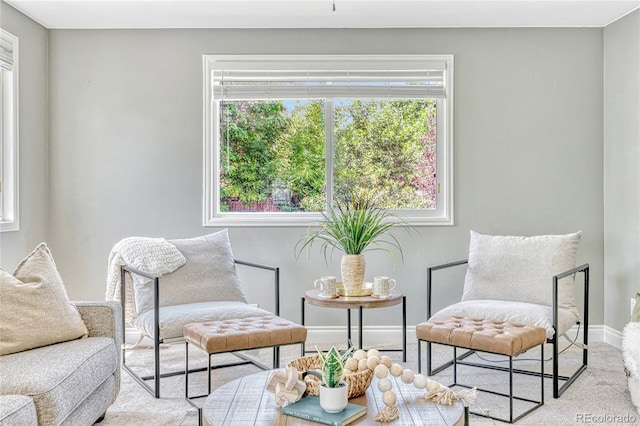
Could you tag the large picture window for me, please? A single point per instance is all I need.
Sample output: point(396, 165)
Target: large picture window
point(8, 132)
point(285, 136)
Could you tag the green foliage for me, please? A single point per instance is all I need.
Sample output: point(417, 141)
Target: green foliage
point(333, 366)
point(378, 150)
point(354, 226)
point(383, 150)
point(300, 154)
point(250, 131)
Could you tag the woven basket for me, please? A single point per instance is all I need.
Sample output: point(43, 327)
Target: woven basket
point(358, 382)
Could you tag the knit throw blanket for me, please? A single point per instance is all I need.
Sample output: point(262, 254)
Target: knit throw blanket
point(155, 256)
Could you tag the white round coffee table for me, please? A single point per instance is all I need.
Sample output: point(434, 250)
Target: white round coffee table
point(246, 401)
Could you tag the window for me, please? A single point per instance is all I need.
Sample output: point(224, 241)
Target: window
point(286, 136)
point(8, 132)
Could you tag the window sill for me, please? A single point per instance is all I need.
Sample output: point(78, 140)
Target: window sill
point(312, 219)
point(9, 226)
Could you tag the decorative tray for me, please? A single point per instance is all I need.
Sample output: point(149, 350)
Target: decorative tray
point(366, 290)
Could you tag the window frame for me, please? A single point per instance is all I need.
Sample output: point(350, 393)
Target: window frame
point(443, 215)
point(9, 217)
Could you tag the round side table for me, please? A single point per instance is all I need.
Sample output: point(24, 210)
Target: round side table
point(360, 303)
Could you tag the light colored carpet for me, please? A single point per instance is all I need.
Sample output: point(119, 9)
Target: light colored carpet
point(599, 396)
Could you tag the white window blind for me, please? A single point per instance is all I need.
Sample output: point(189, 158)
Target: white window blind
point(6, 54)
point(406, 77)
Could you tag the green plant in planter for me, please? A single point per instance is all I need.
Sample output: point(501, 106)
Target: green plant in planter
point(354, 226)
point(333, 366)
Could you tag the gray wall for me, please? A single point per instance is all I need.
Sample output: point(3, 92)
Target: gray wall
point(126, 148)
point(33, 134)
point(621, 167)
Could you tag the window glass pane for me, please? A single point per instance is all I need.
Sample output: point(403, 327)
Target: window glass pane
point(385, 150)
point(272, 156)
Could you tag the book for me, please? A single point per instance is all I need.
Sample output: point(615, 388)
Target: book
point(308, 408)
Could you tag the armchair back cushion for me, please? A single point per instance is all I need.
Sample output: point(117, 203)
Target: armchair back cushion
point(520, 269)
point(35, 309)
point(208, 275)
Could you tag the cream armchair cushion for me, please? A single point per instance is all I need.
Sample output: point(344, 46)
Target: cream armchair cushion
point(209, 274)
point(174, 318)
point(520, 269)
point(512, 312)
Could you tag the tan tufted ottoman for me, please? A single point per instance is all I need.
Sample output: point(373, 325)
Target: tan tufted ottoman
point(482, 335)
point(232, 335)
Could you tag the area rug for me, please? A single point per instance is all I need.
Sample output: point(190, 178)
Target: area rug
point(599, 395)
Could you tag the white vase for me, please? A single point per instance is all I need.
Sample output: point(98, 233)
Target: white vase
point(334, 400)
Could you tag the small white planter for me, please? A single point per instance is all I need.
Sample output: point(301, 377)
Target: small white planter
point(334, 400)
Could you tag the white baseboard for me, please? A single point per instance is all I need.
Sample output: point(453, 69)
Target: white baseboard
point(372, 335)
point(611, 336)
point(376, 335)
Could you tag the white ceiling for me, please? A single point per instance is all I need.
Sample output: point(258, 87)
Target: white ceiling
point(319, 13)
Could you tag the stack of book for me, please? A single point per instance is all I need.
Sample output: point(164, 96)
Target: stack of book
point(308, 408)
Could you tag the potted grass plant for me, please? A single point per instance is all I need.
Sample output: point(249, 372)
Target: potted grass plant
point(354, 226)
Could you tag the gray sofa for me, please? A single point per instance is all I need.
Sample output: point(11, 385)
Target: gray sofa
point(69, 383)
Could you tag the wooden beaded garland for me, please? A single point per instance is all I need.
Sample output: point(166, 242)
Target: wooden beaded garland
point(384, 385)
point(372, 362)
point(386, 361)
point(373, 352)
point(351, 364)
point(381, 371)
point(382, 367)
point(420, 381)
point(389, 397)
point(407, 376)
point(396, 370)
point(360, 354)
point(362, 364)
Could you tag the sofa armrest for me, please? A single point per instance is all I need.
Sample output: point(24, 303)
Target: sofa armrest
point(103, 319)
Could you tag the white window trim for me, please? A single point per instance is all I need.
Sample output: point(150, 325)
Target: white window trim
point(445, 163)
point(9, 217)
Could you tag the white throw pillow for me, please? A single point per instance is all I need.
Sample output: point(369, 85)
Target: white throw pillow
point(521, 268)
point(208, 275)
point(35, 309)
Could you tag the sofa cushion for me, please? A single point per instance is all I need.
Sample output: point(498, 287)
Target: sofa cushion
point(94, 405)
point(521, 268)
point(36, 310)
point(209, 274)
point(17, 410)
point(59, 377)
point(174, 318)
point(513, 312)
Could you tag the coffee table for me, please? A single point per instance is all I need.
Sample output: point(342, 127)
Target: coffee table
point(246, 401)
point(313, 297)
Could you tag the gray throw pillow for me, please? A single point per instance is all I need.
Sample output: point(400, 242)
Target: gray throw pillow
point(209, 274)
point(521, 268)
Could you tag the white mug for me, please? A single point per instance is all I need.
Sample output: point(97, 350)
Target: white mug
point(382, 286)
point(326, 286)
